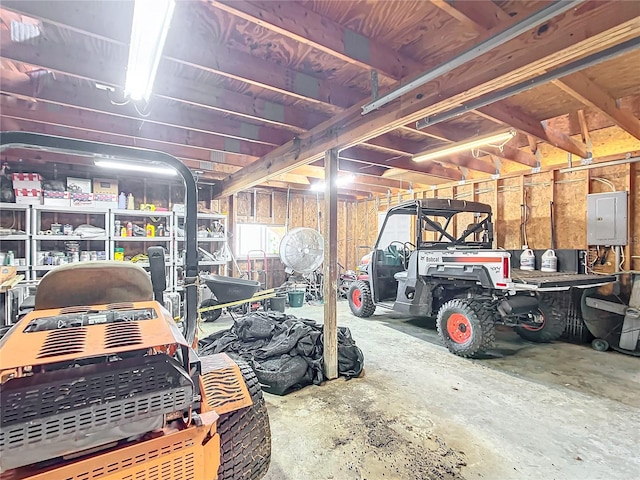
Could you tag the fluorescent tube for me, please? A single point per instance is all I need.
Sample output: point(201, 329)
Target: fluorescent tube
point(461, 147)
point(151, 20)
point(135, 167)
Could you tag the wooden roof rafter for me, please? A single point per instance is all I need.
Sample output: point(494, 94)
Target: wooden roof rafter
point(588, 92)
point(221, 60)
point(580, 34)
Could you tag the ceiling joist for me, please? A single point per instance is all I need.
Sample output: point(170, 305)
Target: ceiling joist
point(564, 40)
point(296, 22)
point(590, 94)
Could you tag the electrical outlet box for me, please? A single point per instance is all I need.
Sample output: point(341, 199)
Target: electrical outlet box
point(607, 218)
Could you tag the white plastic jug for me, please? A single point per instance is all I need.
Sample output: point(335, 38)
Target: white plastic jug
point(527, 259)
point(549, 261)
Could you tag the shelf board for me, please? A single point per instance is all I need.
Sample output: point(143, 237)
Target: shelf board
point(6, 238)
point(87, 210)
point(206, 216)
point(140, 213)
point(141, 239)
point(207, 239)
point(22, 268)
point(57, 238)
point(205, 263)
point(13, 206)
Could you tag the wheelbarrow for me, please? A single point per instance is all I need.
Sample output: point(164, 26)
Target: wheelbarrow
point(230, 292)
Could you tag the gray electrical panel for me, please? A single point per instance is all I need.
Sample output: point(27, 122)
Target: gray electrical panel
point(607, 218)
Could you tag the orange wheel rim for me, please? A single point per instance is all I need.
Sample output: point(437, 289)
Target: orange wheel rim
point(459, 328)
point(356, 298)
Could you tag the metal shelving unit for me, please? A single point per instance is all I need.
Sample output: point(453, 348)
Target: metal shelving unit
point(37, 220)
point(214, 244)
point(42, 216)
point(20, 216)
point(142, 218)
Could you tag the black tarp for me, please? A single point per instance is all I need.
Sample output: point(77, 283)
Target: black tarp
point(285, 352)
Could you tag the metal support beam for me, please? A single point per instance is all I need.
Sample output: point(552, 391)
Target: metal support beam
point(331, 264)
point(538, 18)
point(571, 68)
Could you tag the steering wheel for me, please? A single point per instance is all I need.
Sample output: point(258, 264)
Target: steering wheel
point(403, 252)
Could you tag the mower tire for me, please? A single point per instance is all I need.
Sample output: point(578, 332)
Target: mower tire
point(360, 299)
point(466, 327)
point(245, 436)
point(550, 329)
point(211, 315)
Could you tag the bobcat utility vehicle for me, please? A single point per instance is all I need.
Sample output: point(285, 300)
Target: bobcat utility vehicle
point(420, 266)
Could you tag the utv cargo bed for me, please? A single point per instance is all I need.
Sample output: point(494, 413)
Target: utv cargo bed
point(537, 280)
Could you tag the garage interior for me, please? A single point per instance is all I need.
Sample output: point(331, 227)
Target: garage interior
point(323, 115)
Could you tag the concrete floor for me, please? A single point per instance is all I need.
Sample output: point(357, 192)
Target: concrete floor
point(556, 411)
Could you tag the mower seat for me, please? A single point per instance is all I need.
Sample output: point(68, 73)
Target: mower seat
point(93, 283)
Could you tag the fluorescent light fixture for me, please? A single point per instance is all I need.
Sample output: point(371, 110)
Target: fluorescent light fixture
point(151, 20)
point(135, 167)
point(461, 147)
point(340, 182)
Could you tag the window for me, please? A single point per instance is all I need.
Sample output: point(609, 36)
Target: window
point(397, 229)
point(252, 236)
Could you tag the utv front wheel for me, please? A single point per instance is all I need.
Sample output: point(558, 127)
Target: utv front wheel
point(466, 327)
point(245, 437)
point(549, 324)
point(360, 300)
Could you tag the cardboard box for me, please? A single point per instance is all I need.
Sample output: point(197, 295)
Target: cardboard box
point(105, 200)
point(7, 273)
point(78, 185)
point(82, 199)
point(56, 199)
point(29, 181)
point(106, 185)
point(28, 196)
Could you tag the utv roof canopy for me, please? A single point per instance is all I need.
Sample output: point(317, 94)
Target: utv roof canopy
point(441, 207)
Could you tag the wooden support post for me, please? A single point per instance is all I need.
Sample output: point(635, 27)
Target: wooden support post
point(330, 264)
point(231, 229)
point(632, 222)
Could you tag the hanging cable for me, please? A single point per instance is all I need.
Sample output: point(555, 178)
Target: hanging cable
point(606, 182)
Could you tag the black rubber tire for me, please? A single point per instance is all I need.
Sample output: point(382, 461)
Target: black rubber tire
point(553, 326)
point(479, 315)
point(245, 436)
point(211, 315)
point(600, 345)
point(366, 307)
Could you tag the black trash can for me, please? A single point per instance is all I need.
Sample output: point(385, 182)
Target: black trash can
point(277, 303)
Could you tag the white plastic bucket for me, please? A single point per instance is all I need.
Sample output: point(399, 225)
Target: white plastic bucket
point(549, 261)
point(527, 260)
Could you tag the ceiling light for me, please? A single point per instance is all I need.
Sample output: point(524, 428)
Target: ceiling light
point(340, 182)
point(461, 147)
point(151, 20)
point(136, 167)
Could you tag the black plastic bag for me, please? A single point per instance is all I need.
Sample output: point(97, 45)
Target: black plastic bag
point(285, 352)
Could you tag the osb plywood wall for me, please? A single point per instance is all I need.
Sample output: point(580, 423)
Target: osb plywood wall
point(272, 208)
point(567, 191)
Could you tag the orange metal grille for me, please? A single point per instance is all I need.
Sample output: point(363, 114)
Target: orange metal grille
point(122, 334)
point(63, 342)
point(222, 384)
